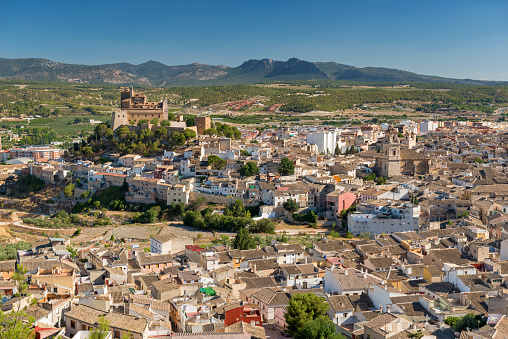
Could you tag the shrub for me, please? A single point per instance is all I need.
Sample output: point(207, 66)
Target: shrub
point(309, 217)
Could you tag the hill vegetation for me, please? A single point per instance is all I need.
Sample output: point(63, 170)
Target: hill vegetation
point(153, 73)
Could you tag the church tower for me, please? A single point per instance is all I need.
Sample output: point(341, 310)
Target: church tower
point(409, 140)
point(390, 164)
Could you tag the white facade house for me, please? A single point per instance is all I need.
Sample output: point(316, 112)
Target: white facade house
point(376, 219)
point(168, 244)
point(347, 281)
point(325, 141)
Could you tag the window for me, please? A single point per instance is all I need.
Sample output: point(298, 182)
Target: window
point(73, 324)
point(117, 334)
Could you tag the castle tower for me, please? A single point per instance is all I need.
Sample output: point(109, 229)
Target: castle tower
point(390, 164)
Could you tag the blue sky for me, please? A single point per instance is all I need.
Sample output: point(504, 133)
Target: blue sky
point(462, 39)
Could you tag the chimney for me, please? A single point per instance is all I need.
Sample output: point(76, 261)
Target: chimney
point(365, 274)
point(345, 271)
point(388, 309)
point(254, 266)
point(386, 287)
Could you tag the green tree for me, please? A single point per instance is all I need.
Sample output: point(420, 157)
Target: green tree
point(303, 308)
point(161, 133)
point(210, 131)
point(16, 324)
point(101, 331)
point(286, 167)
point(381, 181)
point(72, 251)
point(189, 134)
point(468, 321)
point(69, 190)
point(189, 121)
point(250, 168)
point(245, 153)
point(216, 162)
point(321, 328)
point(290, 205)
point(371, 176)
point(154, 121)
point(244, 240)
point(19, 278)
point(265, 226)
point(416, 335)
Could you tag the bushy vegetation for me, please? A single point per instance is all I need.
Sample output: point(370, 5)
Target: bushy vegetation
point(146, 142)
point(250, 168)
point(223, 130)
point(309, 217)
point(286, 167)
point(470, 321)
point(290, 205)
point(232, 219)
point(61, 219)
point(27, 184)
point(8, 251)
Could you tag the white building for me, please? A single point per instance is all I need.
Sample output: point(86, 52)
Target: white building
point(325, 141)
point(428, 126)
point(168, 244)
point(384, 218)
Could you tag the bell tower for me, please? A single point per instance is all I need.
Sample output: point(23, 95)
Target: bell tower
point(390, 165)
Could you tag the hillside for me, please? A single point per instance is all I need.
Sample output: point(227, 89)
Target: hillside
point(153, 73)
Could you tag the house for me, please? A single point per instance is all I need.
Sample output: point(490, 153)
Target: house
point(289, 253)
point(249, 314)
point(341, 309)
point(347, 281)
point(84, 318)
point(169, 243)
point(154, 263)
point(268, 299)
point(439, 257)
point(337, 201)
point(302, 276)
point(385, 326)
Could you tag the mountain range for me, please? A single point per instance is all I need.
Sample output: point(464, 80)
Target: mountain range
point(153, 73)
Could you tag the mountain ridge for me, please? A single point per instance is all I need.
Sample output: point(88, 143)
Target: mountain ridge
point(154, 73)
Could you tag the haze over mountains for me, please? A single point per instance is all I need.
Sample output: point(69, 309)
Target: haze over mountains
point(153, 73)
